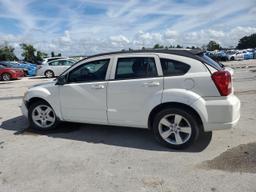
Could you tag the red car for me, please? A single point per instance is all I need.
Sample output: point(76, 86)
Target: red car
point(7, 74)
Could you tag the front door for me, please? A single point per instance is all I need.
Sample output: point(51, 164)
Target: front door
point(83, 98)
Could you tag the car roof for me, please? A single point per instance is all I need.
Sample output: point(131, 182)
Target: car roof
point(182, 52)
point(62, 59)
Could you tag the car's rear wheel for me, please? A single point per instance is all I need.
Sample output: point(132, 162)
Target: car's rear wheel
point(6, 77)
point(175, 128)
point(42, 116)
point(49, 74)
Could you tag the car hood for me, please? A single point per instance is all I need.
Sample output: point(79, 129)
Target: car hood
point(45, 85)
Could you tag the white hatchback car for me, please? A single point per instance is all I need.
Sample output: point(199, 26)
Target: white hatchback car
point(54, 67)
point(178, 94)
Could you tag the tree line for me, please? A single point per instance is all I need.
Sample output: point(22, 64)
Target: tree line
point(30, 54)
point(244, 43)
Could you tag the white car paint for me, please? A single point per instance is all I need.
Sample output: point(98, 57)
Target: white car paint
point(129, 102)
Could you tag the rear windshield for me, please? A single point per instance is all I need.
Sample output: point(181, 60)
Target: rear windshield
point(210, 62)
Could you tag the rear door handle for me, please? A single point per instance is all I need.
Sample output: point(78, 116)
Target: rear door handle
point(152, 84)
point(98, 86)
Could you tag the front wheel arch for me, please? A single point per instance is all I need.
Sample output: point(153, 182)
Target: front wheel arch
point(31, 105)
point(35, 99)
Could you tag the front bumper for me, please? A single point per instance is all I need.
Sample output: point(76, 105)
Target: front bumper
point(24, 109)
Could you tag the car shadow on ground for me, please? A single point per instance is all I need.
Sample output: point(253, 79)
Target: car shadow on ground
point(109, 135)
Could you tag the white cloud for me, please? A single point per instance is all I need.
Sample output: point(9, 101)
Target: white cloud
point(128, 24)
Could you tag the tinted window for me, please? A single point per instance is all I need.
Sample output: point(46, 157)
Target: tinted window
point(135, 67)
point(92, 71)
point(70, 62)
point(173, 68)
point(54, 63)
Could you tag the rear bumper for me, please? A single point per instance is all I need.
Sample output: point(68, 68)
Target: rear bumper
point(220, 113)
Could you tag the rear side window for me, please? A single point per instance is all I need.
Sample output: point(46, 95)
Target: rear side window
point(173, 68)
point(135, 67)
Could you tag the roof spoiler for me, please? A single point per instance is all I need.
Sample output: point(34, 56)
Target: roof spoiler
point(196, 51)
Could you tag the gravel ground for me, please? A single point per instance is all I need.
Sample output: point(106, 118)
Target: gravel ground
point(78, 157)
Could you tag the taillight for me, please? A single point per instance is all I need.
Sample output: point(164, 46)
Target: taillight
point(222, 80)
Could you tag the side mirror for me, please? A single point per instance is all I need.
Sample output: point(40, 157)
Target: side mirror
point(61, 80)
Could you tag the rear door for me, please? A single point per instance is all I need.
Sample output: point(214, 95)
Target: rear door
point(135, 86)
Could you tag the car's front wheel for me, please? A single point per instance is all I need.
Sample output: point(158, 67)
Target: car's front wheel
point(176, 128)
point(6, 77)
point(42, 116)
point(49, 74)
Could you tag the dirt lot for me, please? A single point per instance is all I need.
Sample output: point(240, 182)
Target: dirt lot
point(79, 157)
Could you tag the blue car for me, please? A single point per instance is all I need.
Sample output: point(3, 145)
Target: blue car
point(248, 55)
point(29, 68)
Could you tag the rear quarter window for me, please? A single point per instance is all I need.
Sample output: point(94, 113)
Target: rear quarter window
point(173, 68)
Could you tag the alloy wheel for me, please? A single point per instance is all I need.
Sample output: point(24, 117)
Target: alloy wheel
point(6, 77)
point(175, 129)
point(49, 74)
point(43, 116)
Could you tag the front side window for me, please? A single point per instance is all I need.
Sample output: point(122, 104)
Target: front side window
point(91, 71)
point(135, 67)
point(173, 67)
point(54, 63)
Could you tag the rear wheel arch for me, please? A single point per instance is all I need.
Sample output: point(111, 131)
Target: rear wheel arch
point(167, 105)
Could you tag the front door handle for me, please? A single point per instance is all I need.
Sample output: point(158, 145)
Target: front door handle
point(152, 84)
point(98, 86)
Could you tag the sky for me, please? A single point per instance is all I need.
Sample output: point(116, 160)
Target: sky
point(84, 27)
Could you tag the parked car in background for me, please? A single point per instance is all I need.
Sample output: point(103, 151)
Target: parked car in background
point(235, 55)
point(178, 94)
point(217, 55)
point(48, 59)
point(54, 67)
point(7, 74)
point(28, 68)
point(248, 55)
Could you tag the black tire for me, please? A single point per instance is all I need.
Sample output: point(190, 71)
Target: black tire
point(33, 124)
point(232, 59)
point(49, 74)
point(191, 119)
point(6, 77)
